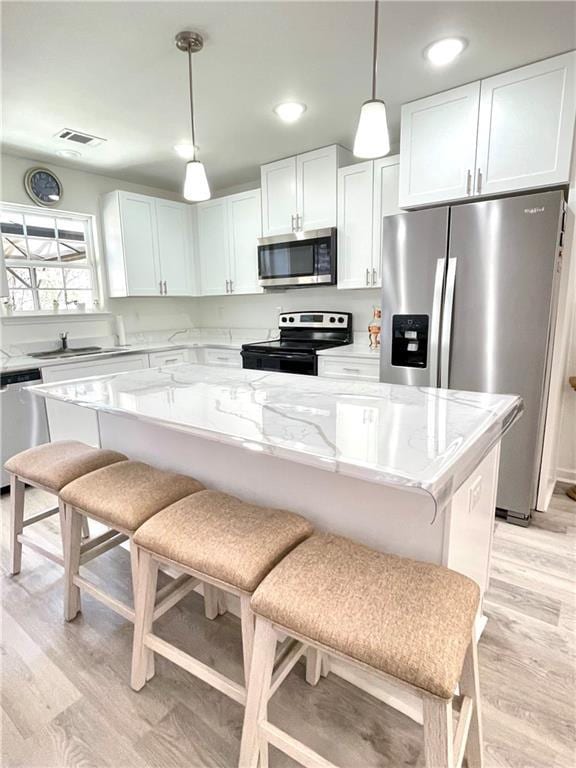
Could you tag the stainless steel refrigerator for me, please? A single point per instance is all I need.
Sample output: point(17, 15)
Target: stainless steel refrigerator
point(469, 302)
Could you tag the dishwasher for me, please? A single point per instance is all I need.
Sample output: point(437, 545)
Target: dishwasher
point(22, 415)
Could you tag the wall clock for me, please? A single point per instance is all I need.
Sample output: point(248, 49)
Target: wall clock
point(43, 186)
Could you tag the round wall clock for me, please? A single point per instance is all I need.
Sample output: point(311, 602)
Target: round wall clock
point(43, 186)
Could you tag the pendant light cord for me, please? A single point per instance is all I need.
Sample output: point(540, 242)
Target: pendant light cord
point(191, 102)
point(375, 51)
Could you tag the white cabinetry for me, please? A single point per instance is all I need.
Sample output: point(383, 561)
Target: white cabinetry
point(299, 193)
point(73, 422)
point(227, 358)
point(147, 245)
point(508, 133)
point(366, 192)
point(526, 126)
point(172, 357)
point(228, 228)
point(357, 368)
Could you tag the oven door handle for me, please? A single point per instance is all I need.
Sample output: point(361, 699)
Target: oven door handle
point(280, 356)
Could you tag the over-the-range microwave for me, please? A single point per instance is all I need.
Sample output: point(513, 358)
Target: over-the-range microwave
point(297, 259)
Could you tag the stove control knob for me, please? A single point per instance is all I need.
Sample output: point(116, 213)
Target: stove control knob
point(283, 319)
point(332, 319)
point(340, 319)
point(291, 319)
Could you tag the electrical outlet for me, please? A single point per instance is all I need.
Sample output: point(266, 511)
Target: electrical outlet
point(475, 491)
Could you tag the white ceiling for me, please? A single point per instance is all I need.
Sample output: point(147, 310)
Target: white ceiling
point(111, 69)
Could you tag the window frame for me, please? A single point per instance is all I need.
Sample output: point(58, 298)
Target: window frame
point(90, 265)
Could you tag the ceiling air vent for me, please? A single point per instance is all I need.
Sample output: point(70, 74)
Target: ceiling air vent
point(79, 138)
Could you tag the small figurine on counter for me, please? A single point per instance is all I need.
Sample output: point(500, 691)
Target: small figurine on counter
point(374, 329)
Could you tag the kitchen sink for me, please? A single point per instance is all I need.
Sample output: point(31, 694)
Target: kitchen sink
point(75, 352)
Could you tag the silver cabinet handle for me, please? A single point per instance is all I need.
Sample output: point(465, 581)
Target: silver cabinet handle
point(374, 276)
point(231, 288)
point(165, 289)
point(160, 284)
point(478, 181)
point(367, 276)
point(351, 370)
point(292, 219)
point(468, 182)
point(298, 222)
point(227, 286)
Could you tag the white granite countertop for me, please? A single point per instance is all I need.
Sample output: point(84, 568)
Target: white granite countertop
point(419, 438)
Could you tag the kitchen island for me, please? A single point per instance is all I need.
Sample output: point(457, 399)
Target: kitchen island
point(407, 470)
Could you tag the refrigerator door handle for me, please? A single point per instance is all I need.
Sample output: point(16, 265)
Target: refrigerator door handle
point(435, 322)
point(447, 324)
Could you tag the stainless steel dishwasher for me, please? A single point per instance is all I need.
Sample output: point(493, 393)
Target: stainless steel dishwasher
point(22, 415)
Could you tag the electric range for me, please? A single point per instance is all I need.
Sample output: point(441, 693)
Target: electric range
point(302, 334)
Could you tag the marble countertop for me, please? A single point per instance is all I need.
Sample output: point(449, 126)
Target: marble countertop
point(418, 438)
point(358, 349)
point(26, 362)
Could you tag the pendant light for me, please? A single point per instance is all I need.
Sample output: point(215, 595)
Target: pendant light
point(372, 139)
point(195, 182)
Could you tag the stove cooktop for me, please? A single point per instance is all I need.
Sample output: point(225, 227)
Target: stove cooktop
point(292, 345)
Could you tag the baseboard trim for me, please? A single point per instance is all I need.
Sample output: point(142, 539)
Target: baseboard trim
point(566, 475)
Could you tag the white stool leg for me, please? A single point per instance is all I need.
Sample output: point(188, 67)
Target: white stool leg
point(72, 545)
point(85, 528)
point(247, 621)
point(16, 523)
point(438, 733)
point(313, 666)
point(262, 666)
point(469, 686)
point(144, 618)
point(211, 608)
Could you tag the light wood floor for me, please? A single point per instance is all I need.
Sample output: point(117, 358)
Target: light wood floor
point(66, 699)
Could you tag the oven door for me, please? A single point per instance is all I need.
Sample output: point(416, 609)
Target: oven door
point(293, 362)
point(305, 258)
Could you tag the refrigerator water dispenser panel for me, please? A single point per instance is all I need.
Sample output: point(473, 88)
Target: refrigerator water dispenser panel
point(410, 340)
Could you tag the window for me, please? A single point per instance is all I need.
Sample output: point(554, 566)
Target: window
point(48, 259)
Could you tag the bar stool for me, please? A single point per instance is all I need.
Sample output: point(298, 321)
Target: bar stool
point(122, 497)
point(405, 622)
point(221, 541)
point(48, 467)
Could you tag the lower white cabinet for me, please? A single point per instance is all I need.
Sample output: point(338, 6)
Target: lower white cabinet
point(227, 358)
point(160, 359)
point(73, 422)
point(228, 229)
point(357, 368)
point(366, 193)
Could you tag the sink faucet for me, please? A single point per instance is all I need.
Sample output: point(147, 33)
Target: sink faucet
point(64, 340)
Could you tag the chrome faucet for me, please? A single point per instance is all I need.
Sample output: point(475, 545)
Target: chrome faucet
point(64, 340)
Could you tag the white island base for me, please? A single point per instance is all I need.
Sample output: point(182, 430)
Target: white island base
point(399, 520)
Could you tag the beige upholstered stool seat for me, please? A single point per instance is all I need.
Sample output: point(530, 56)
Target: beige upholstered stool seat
point(126, 494)
point(223, 537)
point(409, 619)
point(54, 465)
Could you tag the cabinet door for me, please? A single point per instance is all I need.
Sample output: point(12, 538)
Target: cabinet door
point(438, 147)
point(174, 247)
point(212, 222)
point(278, 196)
point(174, 357)
point(316, 184)
point(244, 227)
point(526, 127)
point(355, 185)
point(67, 421)
point(139, 242)
point(386, 181)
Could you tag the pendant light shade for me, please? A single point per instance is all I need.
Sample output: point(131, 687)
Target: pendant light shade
point(195, 182)
point(372, 138)
point(196, 187)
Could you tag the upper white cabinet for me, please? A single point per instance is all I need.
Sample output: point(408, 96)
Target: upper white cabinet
point(227, 231)
point(299, 193)
point(366, 192)
point(526, 126)
point(504, 134)
point(147, 245)
point(438, 146)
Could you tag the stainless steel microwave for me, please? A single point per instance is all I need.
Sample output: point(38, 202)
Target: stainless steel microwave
point(297, 259)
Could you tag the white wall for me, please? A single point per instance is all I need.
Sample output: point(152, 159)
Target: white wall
point(82, 191)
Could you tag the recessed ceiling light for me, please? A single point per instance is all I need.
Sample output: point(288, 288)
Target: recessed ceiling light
point(444, 51)
point(290, 111)
point(68, 153)
point(186, 150)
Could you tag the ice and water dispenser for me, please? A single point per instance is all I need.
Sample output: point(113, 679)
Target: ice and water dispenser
point(410, 340)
